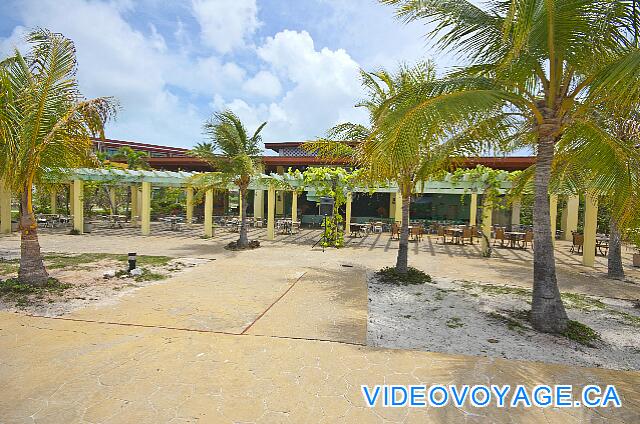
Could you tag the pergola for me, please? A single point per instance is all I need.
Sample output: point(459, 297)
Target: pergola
point(141, 183)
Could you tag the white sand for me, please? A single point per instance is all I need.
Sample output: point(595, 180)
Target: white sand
point(453, 317)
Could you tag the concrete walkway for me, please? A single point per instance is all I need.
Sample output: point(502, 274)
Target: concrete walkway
point(272, 335)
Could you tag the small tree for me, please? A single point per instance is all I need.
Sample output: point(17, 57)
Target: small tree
point(234, 154)
point(45, 126)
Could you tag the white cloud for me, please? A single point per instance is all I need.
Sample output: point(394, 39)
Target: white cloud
point(263, 84)
point(324, 83)
point(135, 67)
point(225, 24)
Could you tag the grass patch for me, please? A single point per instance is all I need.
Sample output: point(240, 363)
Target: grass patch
point(9, 266)
point(491, 289)
point(440, 295)
point(454, 322)
point(581, 333)
point(12, 290)
point(413, 276)
point(580, 301)
point(149, 276)
point(512, 322)
point(59, 260)
point(629, 318)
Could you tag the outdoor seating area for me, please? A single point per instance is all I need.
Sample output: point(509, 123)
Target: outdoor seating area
point(601, 243)
point(54, 220)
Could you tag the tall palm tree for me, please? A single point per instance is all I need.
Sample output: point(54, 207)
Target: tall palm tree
point(611, 169)
point(552, 63)
point(404, 155)
point(45, 126)
point(234, 154)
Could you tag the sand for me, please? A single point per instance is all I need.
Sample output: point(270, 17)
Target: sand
point(457, 316)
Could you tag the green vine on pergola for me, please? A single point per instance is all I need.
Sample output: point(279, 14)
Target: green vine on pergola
point(491, 181)
point(333, 182)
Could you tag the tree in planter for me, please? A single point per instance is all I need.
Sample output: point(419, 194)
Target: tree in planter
point(234, 154)
point(551, 63)
point(45, 126)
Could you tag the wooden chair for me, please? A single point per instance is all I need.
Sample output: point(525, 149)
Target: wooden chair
point(395, 230)
point(441, 233)
point(499, 235)
point(528, 239)
point(467, 234)
point(578, 243)
point(416, 233)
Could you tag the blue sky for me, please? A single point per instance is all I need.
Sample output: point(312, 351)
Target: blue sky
point(171, 64)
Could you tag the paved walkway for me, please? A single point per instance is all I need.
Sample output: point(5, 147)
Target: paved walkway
point(507, 266)
point(273, 335)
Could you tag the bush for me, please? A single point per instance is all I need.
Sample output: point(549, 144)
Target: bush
point(413, 276)
point(581, 333)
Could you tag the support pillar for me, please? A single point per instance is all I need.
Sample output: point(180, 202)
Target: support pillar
point(5, 209)
point(571, 211)
point(473, 210)
point(398, 213)
point(392, 205)
point(208, 213)
point(347, 219)
point(71, 206)
point(112, 200)
point(135, 210)
point(553, 213)
point(258, 204)
point(271, 213)
point(145, 211)
point(516, 207)
point(590, 229)
point(78, 206)
point(487, 213)
point(294, 206)
point(189, 211)
point(280, 202)
point(54, 201)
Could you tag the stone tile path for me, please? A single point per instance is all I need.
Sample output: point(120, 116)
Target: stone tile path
point(272, 335)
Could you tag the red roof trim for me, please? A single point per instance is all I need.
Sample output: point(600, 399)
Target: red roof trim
point(143, 146)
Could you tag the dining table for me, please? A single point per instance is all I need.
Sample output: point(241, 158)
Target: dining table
point(455, 233)
point(602, 244)
point(357, 229)
point(514, 237)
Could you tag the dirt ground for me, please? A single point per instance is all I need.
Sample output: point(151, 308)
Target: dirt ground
point(81, 282)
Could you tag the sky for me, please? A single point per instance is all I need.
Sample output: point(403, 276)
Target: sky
point(172, 64)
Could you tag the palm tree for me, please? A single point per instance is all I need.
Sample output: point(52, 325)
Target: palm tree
point(551, 63)
point(388, 152)
point(610, 168)
point(135, 159)
point(45, 127)
point(234, 154)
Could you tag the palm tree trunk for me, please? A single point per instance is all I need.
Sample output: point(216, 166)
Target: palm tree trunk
point(547, 311)
point(32, 270)
point(243, 241)
point(402, 261)
point(615, 269)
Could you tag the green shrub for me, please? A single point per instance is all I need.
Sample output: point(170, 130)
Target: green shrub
point(581, 333)
point(413, 276)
